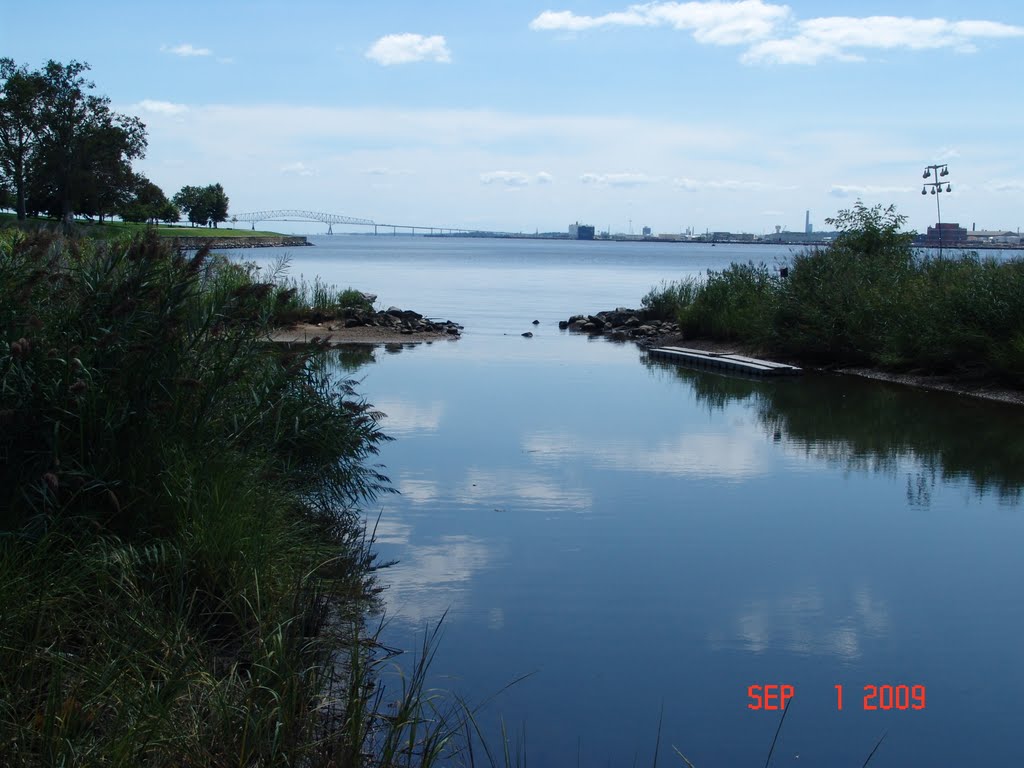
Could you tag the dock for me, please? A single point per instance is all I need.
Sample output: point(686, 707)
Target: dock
point(699, 358)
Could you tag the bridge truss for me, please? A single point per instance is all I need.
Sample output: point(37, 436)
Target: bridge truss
point(330, 219)
point(288, 214)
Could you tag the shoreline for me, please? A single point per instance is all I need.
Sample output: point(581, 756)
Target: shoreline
point(195, 242)
point(956, 385)
point(338, 335)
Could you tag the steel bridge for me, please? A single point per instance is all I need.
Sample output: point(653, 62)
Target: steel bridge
point(330, 219)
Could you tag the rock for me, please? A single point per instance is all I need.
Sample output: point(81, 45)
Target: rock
point(528, 335)
point(589, 328)
point(563, 324)
point(452, 331)
point(536, 322)
point(353, 322)
point(619, 335)
point(368, 297)
point(632, 322)
point(393, 311)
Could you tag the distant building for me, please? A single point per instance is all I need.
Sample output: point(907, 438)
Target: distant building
point(646, 231)
point(579, 231)
point(993, 237)
point(808, 229)
point(945, 235)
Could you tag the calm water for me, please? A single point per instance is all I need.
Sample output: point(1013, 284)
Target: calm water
point(639, 536)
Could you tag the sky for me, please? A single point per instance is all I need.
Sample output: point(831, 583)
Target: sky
point(525, 116)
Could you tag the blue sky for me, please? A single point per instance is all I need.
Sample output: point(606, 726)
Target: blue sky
point(532, 115)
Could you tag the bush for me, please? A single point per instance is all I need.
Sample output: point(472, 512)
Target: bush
point(737, 303)
point(182, 561)
point(868, 298)
point(667, 301)
point(297, 300)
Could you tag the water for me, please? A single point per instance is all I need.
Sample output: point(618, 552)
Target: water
point(646, 541)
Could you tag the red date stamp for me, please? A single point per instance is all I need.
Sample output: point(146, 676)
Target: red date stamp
point(776, 696)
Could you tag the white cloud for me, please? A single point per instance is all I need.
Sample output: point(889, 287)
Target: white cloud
point(408, 48)
point(866, 190)
point(717, 23)
point(619, 179)
point(186, 49)
point(774, 36)
point(843, 37)
point(160, 107)
point(388, 172)
point(731, 185)
point(508, 178)
point(1013, 185)
point(515, 179)
point(298, 169)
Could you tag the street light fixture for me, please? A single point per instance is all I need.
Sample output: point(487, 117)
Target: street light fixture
point(938, 172)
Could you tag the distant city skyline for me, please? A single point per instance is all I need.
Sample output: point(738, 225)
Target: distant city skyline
point(720, 116)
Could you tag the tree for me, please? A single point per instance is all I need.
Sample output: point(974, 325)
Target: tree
point(203, 205)
point(216, 202)
point(20, 106)
point(85, 150)
point(148, 203)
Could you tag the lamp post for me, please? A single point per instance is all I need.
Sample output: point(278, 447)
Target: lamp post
point(938, 172)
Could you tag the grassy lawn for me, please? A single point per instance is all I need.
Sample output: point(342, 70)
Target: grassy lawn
point(114, 228)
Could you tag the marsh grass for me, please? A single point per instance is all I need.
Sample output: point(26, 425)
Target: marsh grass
point(299, 299)
point(867, 299)
point(182, 561)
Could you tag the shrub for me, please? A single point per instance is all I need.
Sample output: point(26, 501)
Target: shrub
point(737, 303)
point(665, 302)
point(182, 561)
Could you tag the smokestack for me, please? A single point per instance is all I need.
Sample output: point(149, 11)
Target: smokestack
point(807, 223)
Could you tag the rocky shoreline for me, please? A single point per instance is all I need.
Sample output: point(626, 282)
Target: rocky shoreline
point(216, 243)
point(367, 326)
point(622, 324)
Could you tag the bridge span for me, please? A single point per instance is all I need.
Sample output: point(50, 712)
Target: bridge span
point(330, 219)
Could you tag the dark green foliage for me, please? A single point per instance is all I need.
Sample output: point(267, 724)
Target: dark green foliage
point(840, 303)
point(181, 556)
point(297, 300)
point(870, 299)
point(204, 206)
point(668, 300)
point(737, 303)
point(62, 150)
point(148, 203)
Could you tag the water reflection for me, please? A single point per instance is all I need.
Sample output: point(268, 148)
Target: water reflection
point(433, 578)
point(868, 426)
point(532, 491)
point(403, 418)
point(806, 623)
point(735, 455)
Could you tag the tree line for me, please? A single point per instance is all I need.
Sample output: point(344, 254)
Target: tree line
point(65, 153)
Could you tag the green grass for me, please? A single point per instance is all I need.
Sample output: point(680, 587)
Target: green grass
point(112, 229)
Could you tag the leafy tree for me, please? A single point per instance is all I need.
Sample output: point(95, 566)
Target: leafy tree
point(148, 203)
point(204, 206)
point(20, 106)
point(85, 150)
point(216, 203)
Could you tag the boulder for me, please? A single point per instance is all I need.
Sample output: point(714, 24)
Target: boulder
point(528, 335)
point(563, 324)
